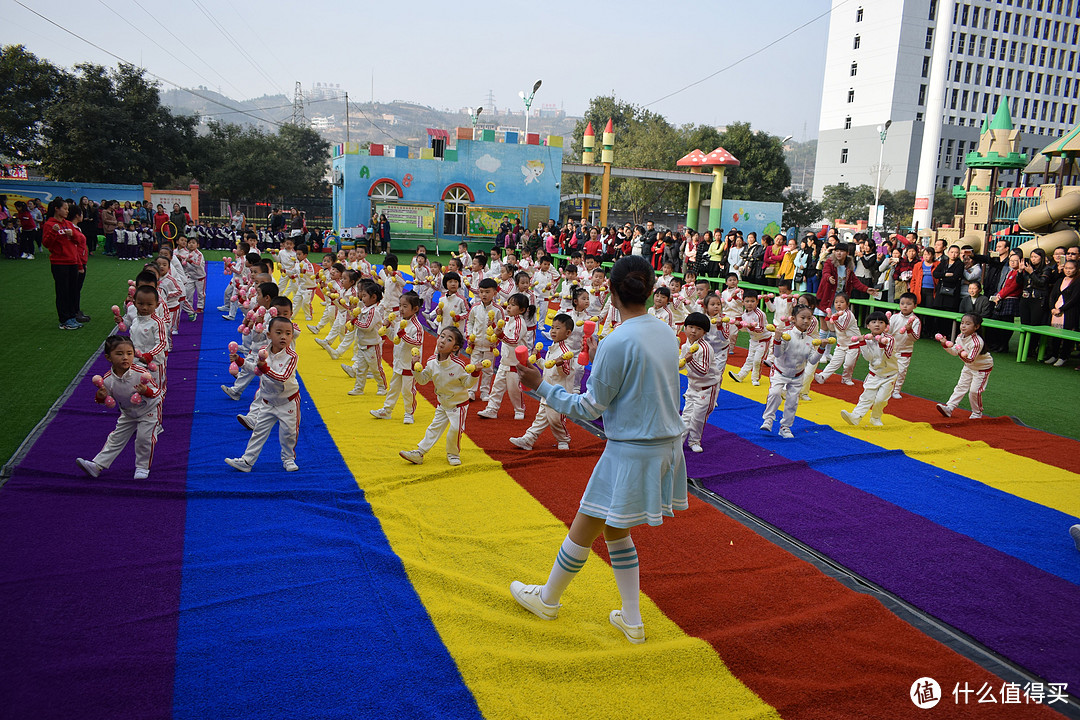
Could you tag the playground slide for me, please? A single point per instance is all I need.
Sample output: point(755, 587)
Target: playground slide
point(1045, 220)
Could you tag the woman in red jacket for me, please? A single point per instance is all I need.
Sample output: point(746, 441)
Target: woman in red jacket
point(1006, 303)
point(59, 236)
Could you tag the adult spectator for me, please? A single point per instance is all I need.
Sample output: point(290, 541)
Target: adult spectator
point(950, 286)
point(129, 212)
point(1035, 278)
point(866, 264)
point(382, 231)
point(27, 228)
point(736, 247)
point(753, 256)
point(775, 249)
point(61, 238)
point(238, 221)
point(88, 224)
point(277, 221)
point(887, 272)
point(805, 266)
point(973, 271)
point(650, 236)
point(1006, 299)
point(37, 210)
point(996, 264)
point(838, 275)
point(143, 212)
point(179, 219)
point(75, 218)
point(715, 252)
point(5, 213)
point(593, 246)
point(787, 263)
point(1064, 312)
point(923, 283)
point(160, 218)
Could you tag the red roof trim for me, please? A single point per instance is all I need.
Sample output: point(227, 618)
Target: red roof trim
point(400, 192)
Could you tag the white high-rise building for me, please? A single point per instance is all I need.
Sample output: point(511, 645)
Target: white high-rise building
point(878, 68)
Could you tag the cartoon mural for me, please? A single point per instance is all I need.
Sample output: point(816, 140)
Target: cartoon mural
point(763, 218)
point(532, 170)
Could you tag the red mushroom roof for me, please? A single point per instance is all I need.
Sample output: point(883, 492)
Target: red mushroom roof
point(720, 156)
point(694, 158)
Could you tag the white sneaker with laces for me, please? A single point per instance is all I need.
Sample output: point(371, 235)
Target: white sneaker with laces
point(243, 420)
point(521, 442)
point(356, 391)
point(233, 395)
point(755, 383)
point(519, 414)
point(322, 343)
point(238, 463)
point(381, 414)
point(408, 420)
point(734, 377)
point(488, 414)
point(1050, 360)
point(380, 391)
point(414, 456)
point(1074, 532)
point(805, 397)
point(141, 473)
point(89, 467)
point(876, 422)
point(849, 418)
point(766, 425)
point(528, 597)
point(633, 633)
point(846, 381)
point(1060, 362)
point(786, 433)
point(944, 410)
point(290, 466)
point(453, 459)
point(897, 396)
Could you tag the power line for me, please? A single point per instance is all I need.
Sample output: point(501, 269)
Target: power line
point(364, 115)
point(268, 46)
point(214, 21)
point(744, 58)
point(148, 72)
point(278, 107)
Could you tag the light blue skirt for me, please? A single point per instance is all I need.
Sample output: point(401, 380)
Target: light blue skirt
point(637, 482)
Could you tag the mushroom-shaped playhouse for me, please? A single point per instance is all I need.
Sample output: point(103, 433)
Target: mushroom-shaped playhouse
point(719, 159)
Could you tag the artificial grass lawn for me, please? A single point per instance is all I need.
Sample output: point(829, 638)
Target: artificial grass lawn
point(41, 360)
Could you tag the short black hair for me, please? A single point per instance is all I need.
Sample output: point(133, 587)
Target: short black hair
point(146, 277)
point(565, 320)
point(750, 293)
point(253, 258)
point(281, 301)
point(877, 315)
point(147, 289)
point(277, 319)
point(698, 320)
point(908, 296)
point(451, 276)
point(663, 291)
point(488, 283)
point(339, 267)
point(411, 299)
point(733, 275)
point(390, 261)
point(269, 289)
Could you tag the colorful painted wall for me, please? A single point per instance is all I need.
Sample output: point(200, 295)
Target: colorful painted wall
point(763, 218)
point(46, 191)
point(497, 177)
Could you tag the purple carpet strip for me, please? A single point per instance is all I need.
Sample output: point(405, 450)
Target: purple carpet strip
point(1019, 611)
point(90, 571)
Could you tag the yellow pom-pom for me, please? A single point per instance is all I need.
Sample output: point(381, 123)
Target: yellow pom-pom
point(786, 336)
point(725, 319)
point(832, 341)
point(470, 368)
point(438, 318)
point(404, 324)
point(501, 323)
point(816, 342)
point(416, 352)
point(770, 327)
point(549, 364)
point(495, 352)
point(486, 364)
point(714, 320)
point(334, 296)
point(532, 359)
point(580, 323)
point(491, 314)
point(418, 367)
point(472, 338)
point(440, 304)
point(468, 351)
point(682, 363)
point(538, 347)
point(595, 318)
point(382, 331)
point(354, 301)
point(355, 312)
point(694, 348)
point(396, 340)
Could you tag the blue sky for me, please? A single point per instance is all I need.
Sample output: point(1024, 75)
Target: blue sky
point(450, 55)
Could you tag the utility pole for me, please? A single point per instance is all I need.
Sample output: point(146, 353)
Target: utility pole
point(298, 118)
point(346, 116)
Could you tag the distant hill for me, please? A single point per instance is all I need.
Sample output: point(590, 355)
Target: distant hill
point(394, 123)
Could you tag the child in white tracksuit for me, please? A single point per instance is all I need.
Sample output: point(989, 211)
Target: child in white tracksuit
point(792, 349)
point(408, 339)
point(703, 375)
point(453, 380)
point(754, 322)
point(305, 284)
point(286, 258)
point(131, 388)
point(348, 299)
point(719, 335)
point(560, 367)
point(392, 284)
point(978, 364)
point(149, 333)
point(511, 334)
point(279, 391)
point(483, 316)
point(846, 327)
point(253, 341)
point(905, 327)
point(196, 272)
point(453, 308)
point(332, 287)
point(731, 298)
point(366, 358)
point(879, 349)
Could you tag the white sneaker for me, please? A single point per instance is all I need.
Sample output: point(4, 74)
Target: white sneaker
point(175, 332)
point(819, 378)
point(30, 257)
point(734, 377)
point(876, 422)
point(805, 397)
point(312, 329)
point(141, 474)
point(408, 420)
point(1074, 532)
point(23, 256)
point(322, 343)
point(380, 391)
point(519, 414)
point(564, 446)
point(89, 467)
point(755, 383)
point(228, 317)
point(414, 456)
point(897, 396)
point(243, 419)
point(233, 394)
point(488, 414)
point(521, 442)
point(849, 418)
point(238, 463)
point(381, 414)
point(633, 633)
point(973, 416)
point(944, 410)
point(846, 381)
point(1050, 360)
point(785, 432)
point(528, 597)
point(695, 448)
point(290, 465)
point(766, 425)
point(223, 308)
point(349, 370)
point(453, 459)
point(1060, 362)
point(334, 354)
point(356, 391)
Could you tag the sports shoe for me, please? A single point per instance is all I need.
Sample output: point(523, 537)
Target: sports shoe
point(944, 410)
point(633, 633)
point(408, 420)
point(334, 354)
point(847, 381)
point(192, 316)
point(349, 370)
point(876, 422)
point(414, 456)
point(65, 326)
point(312, 329)
point(1050, 360)
point(897, 396)
point(453, 460)
point(174, 332)
point(734, 377)
point(245, 422)
point(322, 343)
point(519, 414)
point(766, 425)
point(785, 432)
point(233, 394)
point(81, 318)
point(73, 324)
point(381, 414)
point(805, 397)
point(521, 442)
point(564, 446)
point(695, 448)
point(228, 317)
point(973, 416)
point(142, 473)
point(488, 414)
point(30, 256)
point(849, 418)
point(755, 383)
point(1060, 362)
point(290, 465)
point(528, 597)
point(89, 467)
point(380, 391)
point(238, 463)
point(1074, 531)
point(819, 378)
point(357, 390)
point(223, 308)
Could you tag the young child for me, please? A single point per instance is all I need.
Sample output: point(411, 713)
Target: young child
point(904, 327)
point(453, 308)
point(792, 349)
point(392, 283)
point(347, 300)
point(719, 335)
point(879, 349)
point(282, 307)
point(453, 380)
point(781, 303)
point(507, 286)
point(463, 255)
point(176, 269)
point(407, 337)
point(544, 280)
point(279, 391)
point(483, 318)
point(253, 341)
point(566, 288)
point(667, 272)
point(579, 313)
point(978, 364)
point(525, 287)
point(810, 300)
point(678, 303)
point(331, 287)
point(286, 258)
point(559, 369)
point(598, 291)
point(846, 327)
point(475, 274)
point(732, 301)
point(236, 268)
point(495, 266)
point(703, 375)
point(366, 358)
point(660, 310)
point(196, 272)
point(753, 321)
point(11, 239)
point(510, 333)
point(149, 334)
point(367, 272)
point(305, 283)
point(171, 290)
point(130, 387)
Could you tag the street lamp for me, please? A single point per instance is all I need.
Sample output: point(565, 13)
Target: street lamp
point(528, 103)
point(883, 130)
point(475, 116)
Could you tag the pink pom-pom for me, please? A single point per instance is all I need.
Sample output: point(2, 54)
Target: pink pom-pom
point(116, 309)
point(121, 327)
point(131, 292)
point(273, 312)
point(247, 330)
point(109, 402)
point(868, 336)
point(235, 298)
point(258, 327)
point(264, 353)
point(98, 381)
point(249, 314)
point(136, 398)
point(146, 378)
point(948, 343)
point(233, 347)
point(785, 319)
point(260, 312)
point(246, 304)
point(258, 370)
point(151, 366)
point(240, 328)
point(888, 315)
point(234, 369)
point(939, 337)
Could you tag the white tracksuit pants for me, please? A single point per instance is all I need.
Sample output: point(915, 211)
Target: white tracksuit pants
point(786, 389)
point(287, 286)
point(145, 429)
point(877, 389)
point(366, 360)
point(754, 355)
point(903, 361)
point(200, 288)
point(444, 416)
point(546, 417)
point(401, 385)
point(842, 358)
point(478, 356)
point(972, 383)
point(697, 405)
point(287, 415)
point(506, 382)
point(302, 302)
point(246, 374)
point(329, 315)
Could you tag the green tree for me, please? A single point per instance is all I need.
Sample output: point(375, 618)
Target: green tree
point(304, 157)
point(800, 210)
point(944, 207)
point(31, 86)
point(763, 173)
point(110, 126)
point(843, 202)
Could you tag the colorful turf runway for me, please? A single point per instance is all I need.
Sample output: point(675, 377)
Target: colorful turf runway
point(362, 586)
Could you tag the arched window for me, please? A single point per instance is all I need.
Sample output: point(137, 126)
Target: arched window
point(456, 199)
point(382, 191)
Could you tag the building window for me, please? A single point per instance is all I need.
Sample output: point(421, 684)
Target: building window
point(929, 38)
point(993, 48)
point(847, 123)
point(971, 45)
point(922, 95)
point(857, 41)
point(960, 43)
point(851, 95)
point(997, 20)
point(982, 45)
point(926, 66)
point(858, 15)
point(952, 102)
point(918, 117)
point(933, 9)
point(843, 156)
point(854, 69)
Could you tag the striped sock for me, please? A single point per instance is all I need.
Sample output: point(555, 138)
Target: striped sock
point(568, 562)
point(624, 561)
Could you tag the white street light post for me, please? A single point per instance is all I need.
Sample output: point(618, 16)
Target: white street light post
point(527, 99)
point(882, 132)
point(475, 117)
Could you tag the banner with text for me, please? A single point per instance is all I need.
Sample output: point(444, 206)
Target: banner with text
point(485, 221)
point(407, 218)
